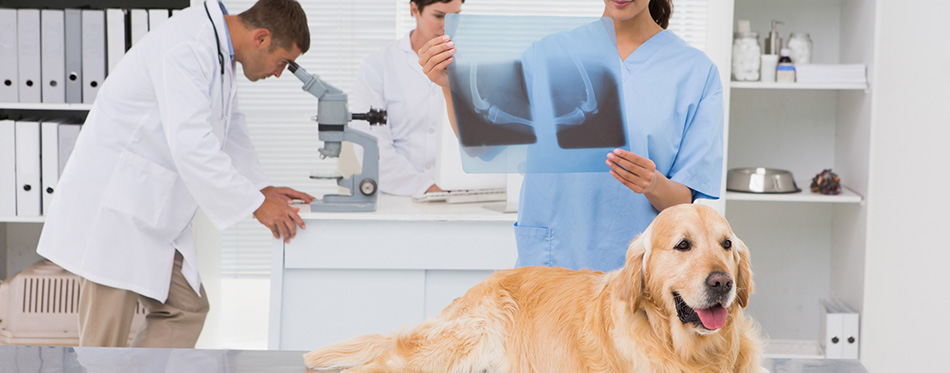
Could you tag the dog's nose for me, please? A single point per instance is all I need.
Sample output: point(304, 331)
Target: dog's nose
point(719, 282)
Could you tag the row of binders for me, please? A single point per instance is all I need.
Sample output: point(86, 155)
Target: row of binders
point(839, 329)
point(63, 56)
point(32, 156)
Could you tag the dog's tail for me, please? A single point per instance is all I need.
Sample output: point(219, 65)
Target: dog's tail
point(351, 353)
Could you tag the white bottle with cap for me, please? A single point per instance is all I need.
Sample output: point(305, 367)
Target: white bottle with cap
point(769, 62)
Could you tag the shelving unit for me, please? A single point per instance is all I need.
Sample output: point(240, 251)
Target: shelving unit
point(16, 106)
point(21, 219)
point(814, 86)
point(847, 196)
point(17, 111)
point(804, 246)
point(19, 235)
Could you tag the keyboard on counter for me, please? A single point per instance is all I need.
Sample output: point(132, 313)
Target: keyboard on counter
point(463, 196)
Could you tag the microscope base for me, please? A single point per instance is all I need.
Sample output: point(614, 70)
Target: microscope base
point(341, 203)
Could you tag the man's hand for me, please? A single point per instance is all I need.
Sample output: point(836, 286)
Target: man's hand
point(278, 215)
point(434, 189)
point(286, 194)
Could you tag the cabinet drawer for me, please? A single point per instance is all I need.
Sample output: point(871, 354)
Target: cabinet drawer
point(403, 245)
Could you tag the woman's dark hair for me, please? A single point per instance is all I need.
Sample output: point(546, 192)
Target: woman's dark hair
point(424, 3)
point(661, 10)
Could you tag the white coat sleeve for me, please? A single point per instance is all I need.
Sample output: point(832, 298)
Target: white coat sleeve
point(396, 174)
point(181, 82)
point(241, 150)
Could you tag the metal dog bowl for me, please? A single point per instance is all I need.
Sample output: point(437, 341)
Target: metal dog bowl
point(760, 180)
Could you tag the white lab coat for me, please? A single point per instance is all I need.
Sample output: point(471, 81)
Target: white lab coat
point(392, 79)
point(163, 137)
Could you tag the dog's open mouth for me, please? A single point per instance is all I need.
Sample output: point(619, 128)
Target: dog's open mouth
point(711, 318)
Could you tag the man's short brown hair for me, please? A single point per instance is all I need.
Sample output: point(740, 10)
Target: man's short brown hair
point(285, 19)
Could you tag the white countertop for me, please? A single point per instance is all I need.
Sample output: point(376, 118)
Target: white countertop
point(396, 208)
point(86, 359)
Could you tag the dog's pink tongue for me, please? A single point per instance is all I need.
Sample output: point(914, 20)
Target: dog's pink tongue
point(713, 318)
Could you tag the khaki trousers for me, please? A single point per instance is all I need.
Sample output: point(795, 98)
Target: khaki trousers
point(105, 315)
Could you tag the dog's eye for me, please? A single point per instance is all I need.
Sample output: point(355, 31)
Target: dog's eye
point(727, 244)
point(684, 245)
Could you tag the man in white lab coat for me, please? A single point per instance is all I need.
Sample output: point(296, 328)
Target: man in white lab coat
point(163, 138)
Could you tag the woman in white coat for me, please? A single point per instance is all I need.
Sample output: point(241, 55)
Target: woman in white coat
point(163, 138)
point(392, 79)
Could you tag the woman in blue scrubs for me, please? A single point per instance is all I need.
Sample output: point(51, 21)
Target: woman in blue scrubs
point(673, 105)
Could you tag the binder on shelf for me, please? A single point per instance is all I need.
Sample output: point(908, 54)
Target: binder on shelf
point(850, 332)
point(839, 329)
point(830, 330)
point(7, 168)
point(138, 24)
point(9, 76)
point(68, 134)
point(53, 38)
point(49, 158)
point(27, 168)
point(28, 55)
point(93, 53)
point(73, 24)
point(115, 38)
point(156, 17)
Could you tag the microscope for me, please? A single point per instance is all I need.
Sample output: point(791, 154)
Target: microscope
point(332, 118)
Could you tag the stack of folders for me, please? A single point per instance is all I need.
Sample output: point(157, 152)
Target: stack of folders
point(838, 329)
point(820, 73)
point(32, 156)
point(63, 56)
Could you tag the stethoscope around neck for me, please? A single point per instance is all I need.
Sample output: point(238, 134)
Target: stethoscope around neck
point(217, 42)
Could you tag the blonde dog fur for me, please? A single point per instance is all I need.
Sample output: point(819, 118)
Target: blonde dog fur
point(541, 319)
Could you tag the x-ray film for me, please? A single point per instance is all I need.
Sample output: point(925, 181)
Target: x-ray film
point(535, 94)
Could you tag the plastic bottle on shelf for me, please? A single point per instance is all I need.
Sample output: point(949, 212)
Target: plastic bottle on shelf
point(745, 53)
point(769, 62)
point(799, 43)
point(785, 71)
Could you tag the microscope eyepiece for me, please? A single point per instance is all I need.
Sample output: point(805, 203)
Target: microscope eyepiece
point(292, 66)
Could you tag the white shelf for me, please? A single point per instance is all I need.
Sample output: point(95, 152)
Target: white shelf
point(41, 106)
point(818, 86)
point(792, 349)
point(806, 195)
point(21, 219)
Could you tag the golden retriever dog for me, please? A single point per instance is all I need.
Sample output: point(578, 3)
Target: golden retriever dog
point(675, 306)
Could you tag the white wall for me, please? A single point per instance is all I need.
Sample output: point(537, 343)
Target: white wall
point(906, 275)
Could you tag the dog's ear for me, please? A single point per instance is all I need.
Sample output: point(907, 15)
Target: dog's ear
point(632, 275)
point(744, 285)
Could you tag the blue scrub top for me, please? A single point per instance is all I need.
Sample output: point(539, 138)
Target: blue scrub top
point(673, 106)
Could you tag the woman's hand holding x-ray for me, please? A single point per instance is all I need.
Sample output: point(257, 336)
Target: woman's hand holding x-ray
point(636, 172)
point(640, 175)
point(435, 56)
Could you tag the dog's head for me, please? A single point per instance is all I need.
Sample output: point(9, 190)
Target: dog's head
point(688, 263)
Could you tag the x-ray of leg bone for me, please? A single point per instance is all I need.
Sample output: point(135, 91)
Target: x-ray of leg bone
point(535, 94)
